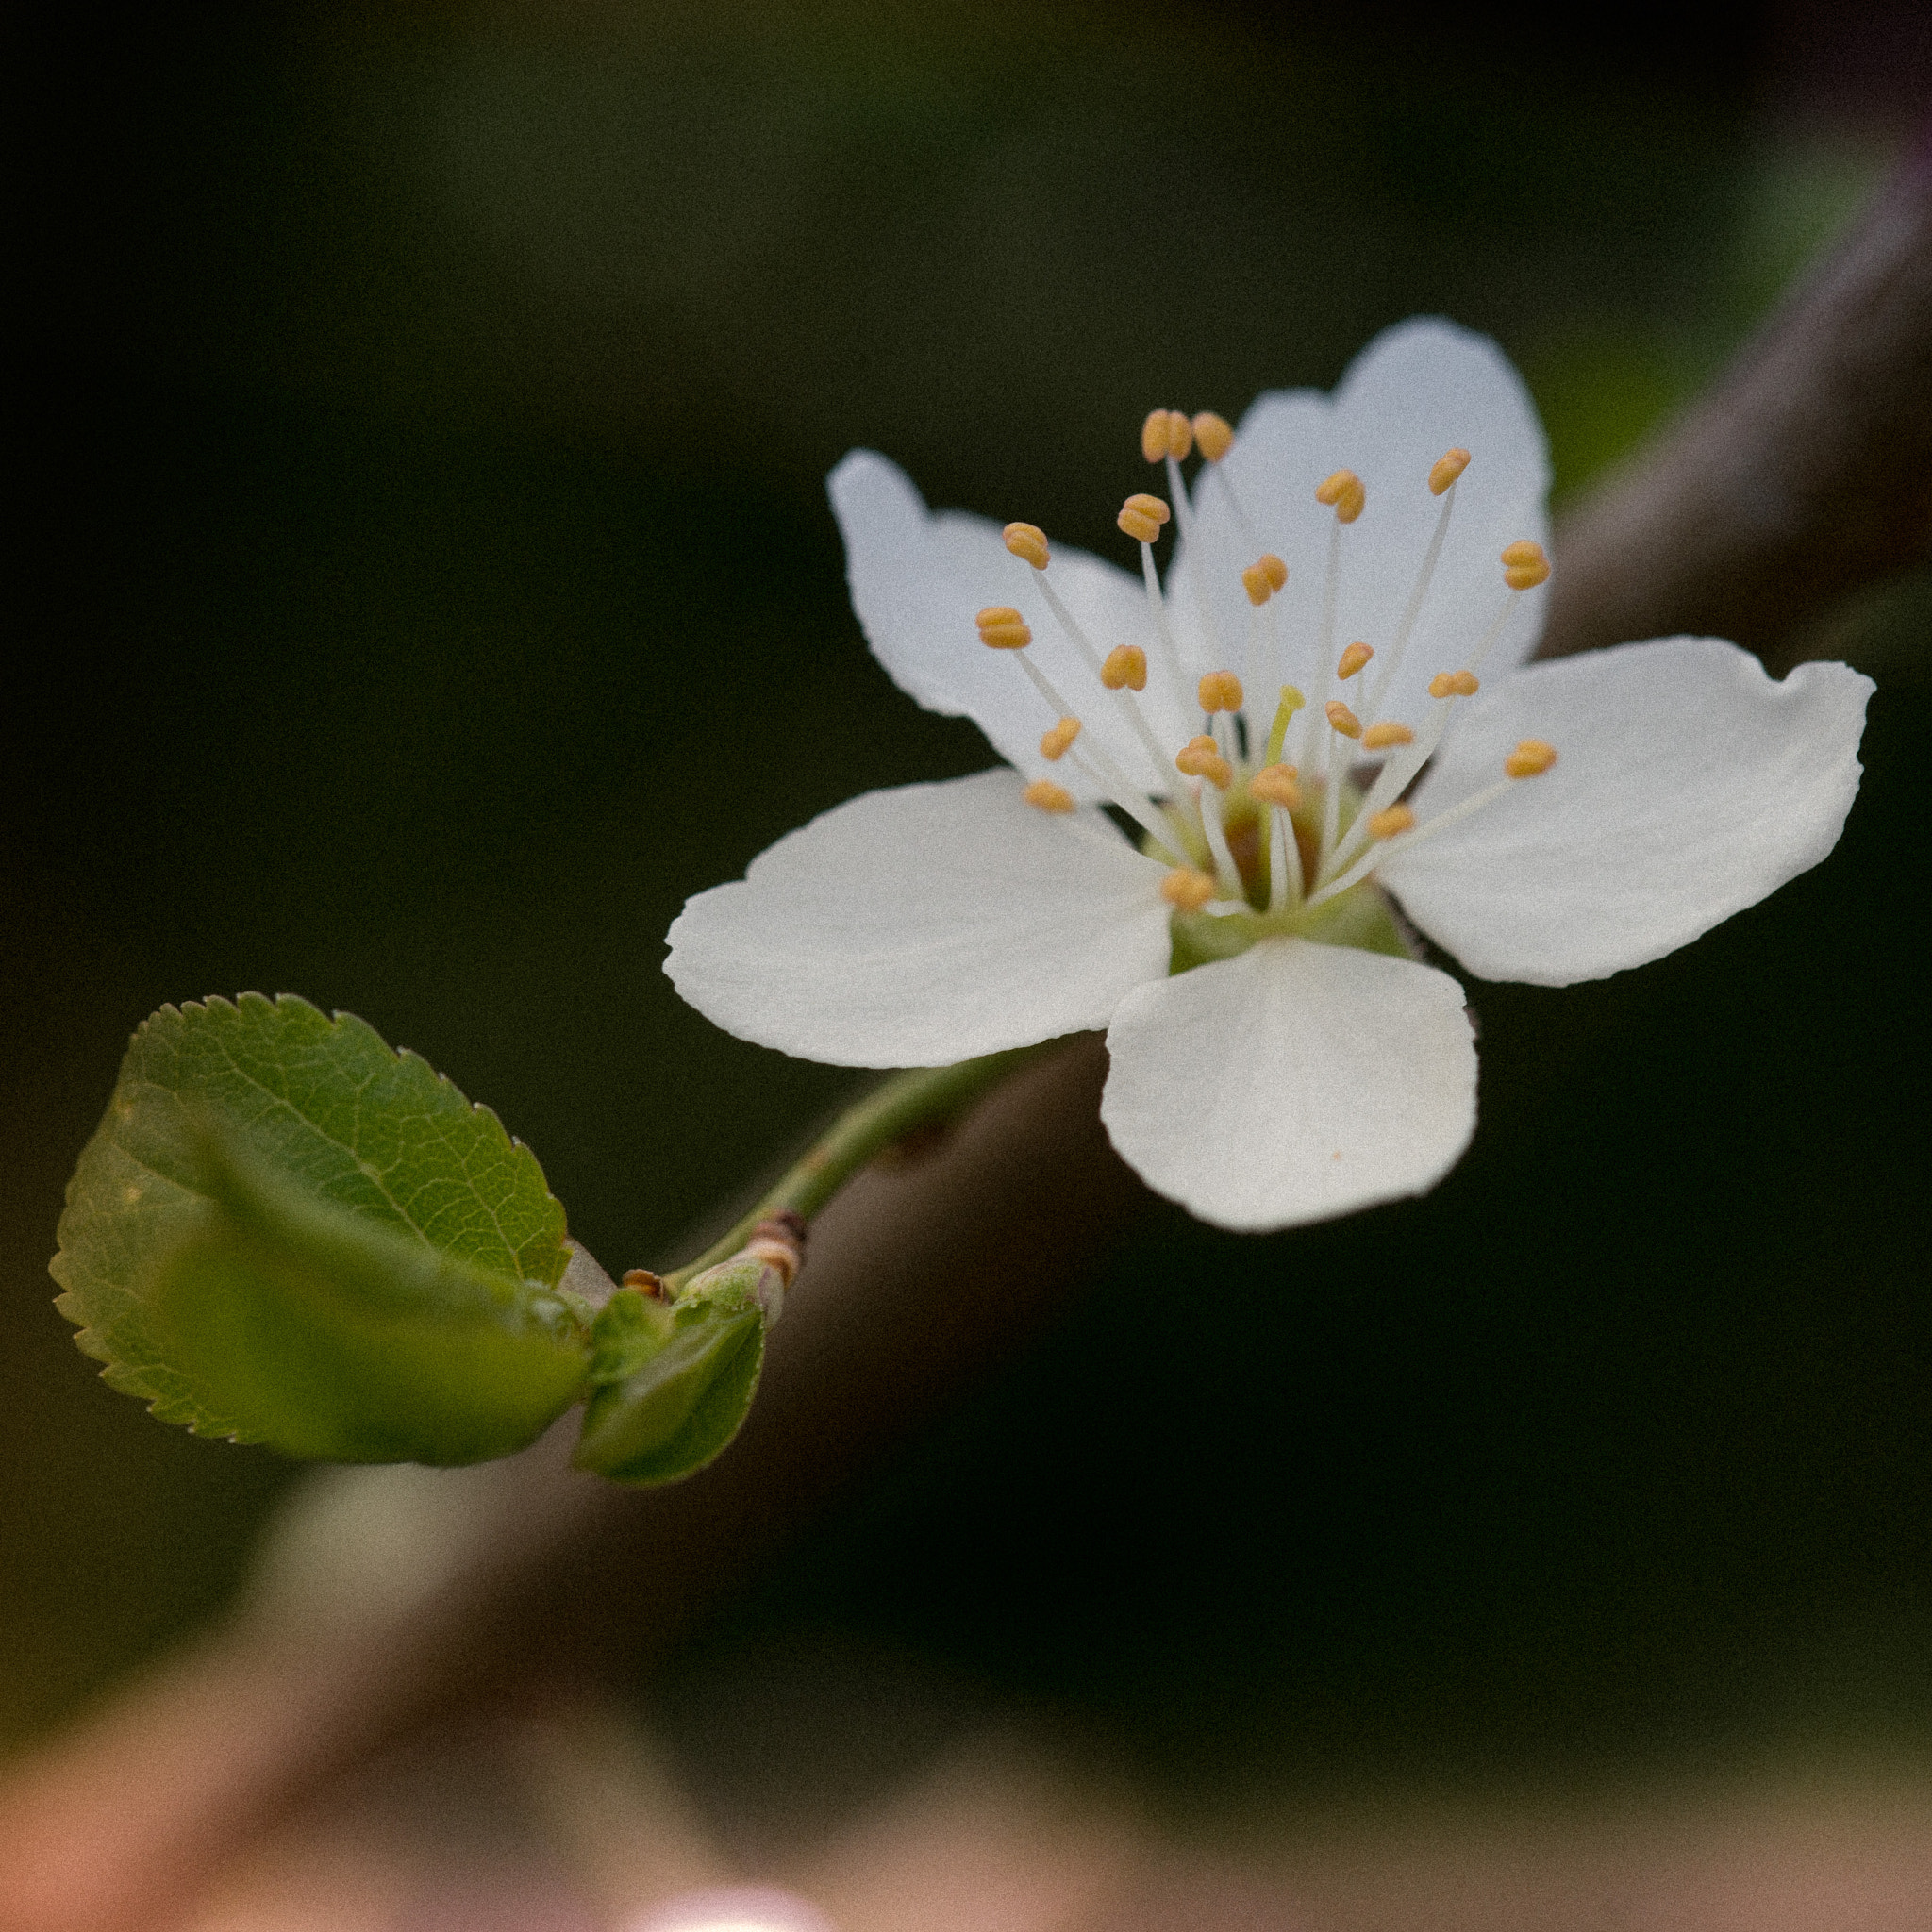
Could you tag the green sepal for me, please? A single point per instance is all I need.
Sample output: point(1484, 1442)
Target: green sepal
point(1361, 917)
point(285, 1232)
point(671, 1384)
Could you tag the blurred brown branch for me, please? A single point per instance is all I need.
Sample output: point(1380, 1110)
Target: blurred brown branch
point(1805, 475)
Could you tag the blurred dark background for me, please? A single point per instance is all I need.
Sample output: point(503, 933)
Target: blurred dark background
point(429, 584)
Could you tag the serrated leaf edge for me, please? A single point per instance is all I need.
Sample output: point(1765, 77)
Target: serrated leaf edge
point(126, 1381)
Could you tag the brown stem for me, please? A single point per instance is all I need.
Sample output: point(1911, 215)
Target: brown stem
point(1802, 475)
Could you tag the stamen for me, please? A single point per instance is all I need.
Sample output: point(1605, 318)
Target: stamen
point(1002, 629)
point(1213, 435)
point(1098, 765)
point(1131, 657)
point(1053, 747)
point(1263, 578)
point(1291, 702)
point(1125, 797)
point(1278, 785)
point(1382, 736)
point(1398, 772)
point(1353, 659)
point(1208, 801)
point(1181, 440)
point(1141, 517)
point(1186, 889)
point(1324, 641)
point(1044, 795)
point(1386, 824)
point(1200, 757)
point(1524, 566)
point(1343, 492)
point(1530, 759)
point(1220, 690)
point(1445, 469)
point(1156, 606)
point(1497, 624)
point(1284, 861)
point(1535, 758)
point(1166, 433)
point(1441, 483)
point(1029, 542)
point(1333, 766)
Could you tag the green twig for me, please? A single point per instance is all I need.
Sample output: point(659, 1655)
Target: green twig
point(918, 1097)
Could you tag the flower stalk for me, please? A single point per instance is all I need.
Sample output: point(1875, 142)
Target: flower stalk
point(891, 1110)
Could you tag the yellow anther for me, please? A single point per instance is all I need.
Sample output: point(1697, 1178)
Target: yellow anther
point(1200, 757)
point(1154, 435)
point(1386, 824)
point(1353, 659)
point(1277, 785)
point(1053, 745)
point(1186, 889)
point(1453, 684)
point(1141, 517)
point(1380, 737)
point(1002, 629)
point(1220, 690)
point(1524, 566)
point(1530, 759)
point(1180, 435)
point(1343, 492)
point(1263, 578)
point(1445, 469)
point(1126, 666)
point(1213, 435)
point(1344, 720)
point(1044, 795)
point(1029, 542)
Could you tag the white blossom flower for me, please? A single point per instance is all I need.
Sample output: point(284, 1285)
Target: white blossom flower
point(1372, 563)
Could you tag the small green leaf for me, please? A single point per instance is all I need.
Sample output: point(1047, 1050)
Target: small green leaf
point(285, 1232)
point(672, 1385)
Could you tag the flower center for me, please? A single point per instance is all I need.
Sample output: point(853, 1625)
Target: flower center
point(1272, 820)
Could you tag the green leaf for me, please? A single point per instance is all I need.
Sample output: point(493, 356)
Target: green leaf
point(674, 1385)
point(285, 1232)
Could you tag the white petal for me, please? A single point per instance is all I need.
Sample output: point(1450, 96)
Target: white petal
point(919, 579)
point(1291, 1083)
point(914, 928)
point(1688, 786)
point(1416, 391)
